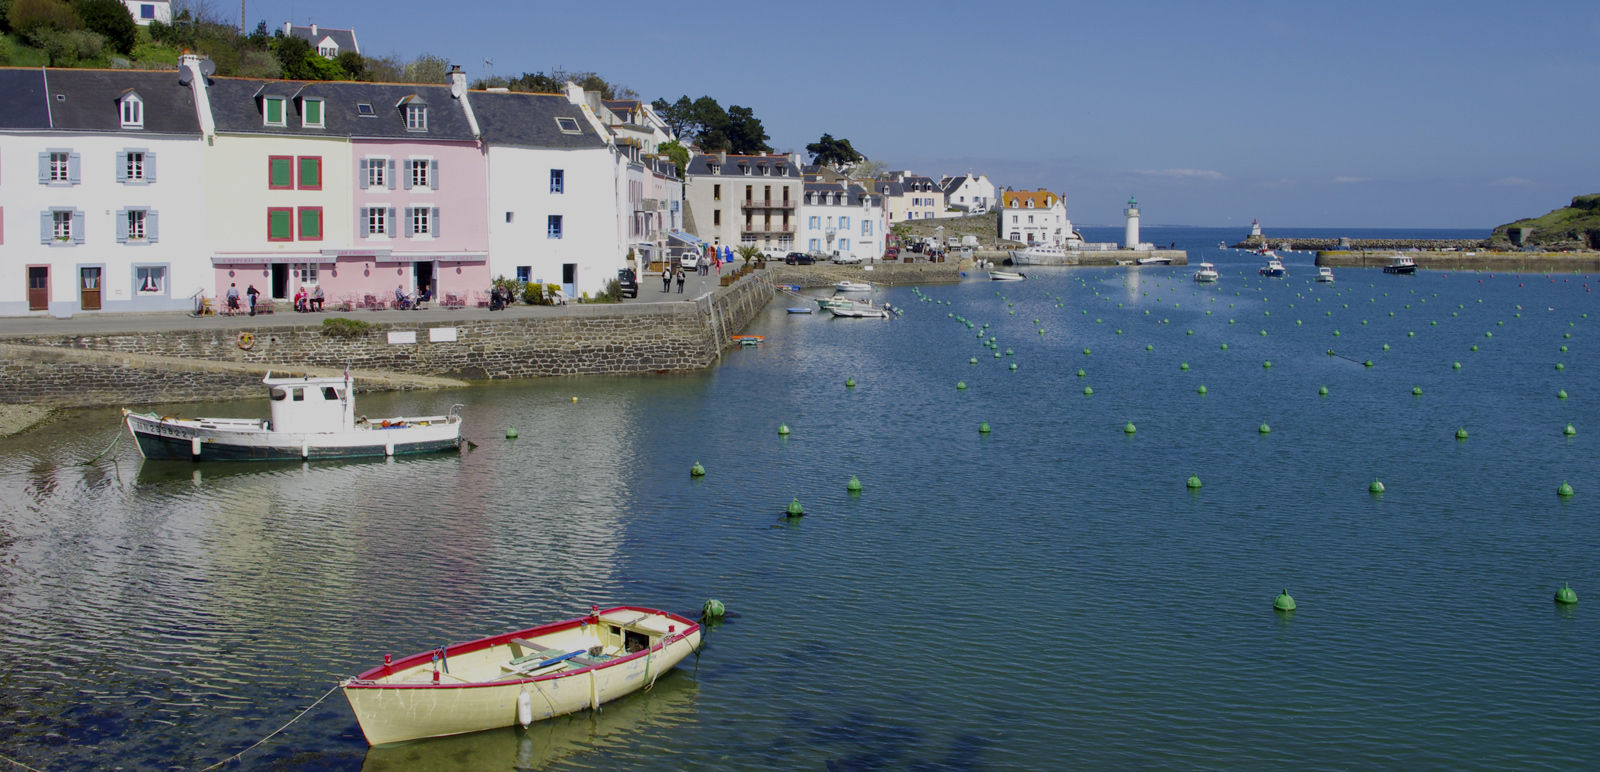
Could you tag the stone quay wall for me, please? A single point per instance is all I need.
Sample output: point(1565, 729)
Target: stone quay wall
point(889, 274)
point(125, 367)
point(1528, 262)
point(1314, 245)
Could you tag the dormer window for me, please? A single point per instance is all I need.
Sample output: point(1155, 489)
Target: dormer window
point(416, 117)
point(714, 168)
point(272, 111)
point(132, 111)
point(328, 50)
point(744, 169)
point(311, 114)
point(568, 125)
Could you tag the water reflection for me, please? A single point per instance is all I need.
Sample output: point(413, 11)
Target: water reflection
point(637, 721)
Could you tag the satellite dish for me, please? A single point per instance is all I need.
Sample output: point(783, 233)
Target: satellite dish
point(207, 67)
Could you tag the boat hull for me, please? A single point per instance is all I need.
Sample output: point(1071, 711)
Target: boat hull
point(396, 712)
point(177, 439)
point(1400, 269)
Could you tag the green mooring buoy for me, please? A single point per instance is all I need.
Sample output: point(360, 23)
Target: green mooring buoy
point(713, 609)
point(1375, 487)
point(1283, 602)
point(1561, 394)
point(1201, 390)
point(1566, 596)
point(983, 428)
point(1565, 491)
point(1461, 433)
point(1129, 428)
point(1264, 429)
point(849, 383)
point(1322, 391)
point(795, 510)
point(961, 385)
point(1193, 482)
point(783, 430)
point(854, 486)
point(697, 470)
point(1088, 392)
point(511, 432)
point(1569, 431)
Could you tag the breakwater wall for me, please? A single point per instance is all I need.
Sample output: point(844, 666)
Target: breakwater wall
point(1104, 257)
point(1356, 245)
point(1471, 260)
point(143, 367)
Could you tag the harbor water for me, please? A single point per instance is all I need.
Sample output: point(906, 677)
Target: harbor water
point(1046, 595)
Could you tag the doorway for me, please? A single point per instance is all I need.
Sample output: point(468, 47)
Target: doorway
point(89, 288)
point(280, 281)
point(38, 288)
point(569, 279)
point(422, 279)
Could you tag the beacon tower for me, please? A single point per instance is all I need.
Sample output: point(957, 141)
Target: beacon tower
point(1130, 236)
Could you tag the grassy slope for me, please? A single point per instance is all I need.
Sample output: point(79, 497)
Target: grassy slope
point(1572, 226)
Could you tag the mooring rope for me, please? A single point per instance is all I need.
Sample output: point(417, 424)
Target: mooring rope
point(98, 456)
point(275, 731)
point(20, 764)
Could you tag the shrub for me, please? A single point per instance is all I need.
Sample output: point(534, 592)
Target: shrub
point(341, 327)
point(111, 19)
point(28, 17)
point(533, 295)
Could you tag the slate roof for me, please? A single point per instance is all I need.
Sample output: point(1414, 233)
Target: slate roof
point(236, 105)
point(344, 38)
point(952, 183)
point(777, 166)
point(22, 102)
point(87, 100)
point(853, 193)
point(509, 118)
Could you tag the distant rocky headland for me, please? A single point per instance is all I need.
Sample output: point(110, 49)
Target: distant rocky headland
point(1573, 228)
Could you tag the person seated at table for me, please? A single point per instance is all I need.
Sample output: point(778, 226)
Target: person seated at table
point(400, 301)
point(300, 299)
point(316, 298)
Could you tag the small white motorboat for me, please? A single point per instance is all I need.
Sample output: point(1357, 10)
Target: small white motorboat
point(859, 311)
point(1401, 264)
point(1325, 274)
point(312, 418)
point(852, 286)
point(1206, 274)
point(1273, 268)
point(519, 677)
point(1006, 276)
point(1155, 260)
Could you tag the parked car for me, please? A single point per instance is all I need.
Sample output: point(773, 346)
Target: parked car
point(891, 253)
point(690, 261)
point(846, 258)
point(628, 282)
point(799, 258)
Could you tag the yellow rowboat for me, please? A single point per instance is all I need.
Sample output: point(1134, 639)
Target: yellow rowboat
point(519, 677)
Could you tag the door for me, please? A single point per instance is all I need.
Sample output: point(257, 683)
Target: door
point(38, 288)
point(422, 279)
point(89, 289)
point(280, 281)
point(569, 279)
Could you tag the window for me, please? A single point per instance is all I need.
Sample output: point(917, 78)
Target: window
point(135, 224)
point(558, 181)
point(421, 221)
point(716, 218)
point(422, 173)
point(62, 227)
point(310, 223)
point(364, 110)
point(416, 117)
point(132, 112)
point(310, 172)
point(147, 10)
point(136, 166)
point(816, 245)
point(305, 273)
point(150, 279)
point(844, 245)
point(377, 221)
point(280, 224)
point(844, 223)
point(866, 227)
point(524, 273)
point(508, 216)
point(280, 172)
point(272, 113)
point(329, 51)
point(377, 172)
point(744, 169)
point(553, 226)
point(1030, 219)
point(714, 168)
point(568, 125)
point(311, 113)
point(816, 222)
point(716, 192)
point(58, 167)
point(749, 192)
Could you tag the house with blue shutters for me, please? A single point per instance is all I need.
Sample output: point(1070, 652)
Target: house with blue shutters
point(101, 201)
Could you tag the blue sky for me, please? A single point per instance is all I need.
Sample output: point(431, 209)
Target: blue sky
point(1352, 113)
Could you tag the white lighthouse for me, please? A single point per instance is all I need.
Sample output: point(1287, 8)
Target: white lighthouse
point(1130, 236)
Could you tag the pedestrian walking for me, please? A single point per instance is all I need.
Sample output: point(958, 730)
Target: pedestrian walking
point(666, 279)
point(233, 299)
point(680, 281)
point(253, 294)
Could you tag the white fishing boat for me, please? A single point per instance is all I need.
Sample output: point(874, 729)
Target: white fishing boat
point(859, 311)
point(1207, 274)
point(1006, 276)
point(519, 677)
point(1325, 274)
point(311, 418)
point(1273, 268)
point(852, 286)
point(1038, 255)
point(1401, 264)
point(1155, 260)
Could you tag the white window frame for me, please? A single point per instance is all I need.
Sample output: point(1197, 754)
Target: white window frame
point(377, 221)
point(60, 167)
point(555, 226)
point(150, 280)
point(558, 181)
point(266, 111)
point(377, 172)
point(421, 221)
point(61, 225)
point(304, 273)
point(132, 112)
point(416, 166)
point(568, 125)
point(137, 221)
point(416, 117)
point(135, 165)
point(322, 114)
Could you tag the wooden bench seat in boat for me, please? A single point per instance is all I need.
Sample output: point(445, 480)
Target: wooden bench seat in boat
point(534, 651)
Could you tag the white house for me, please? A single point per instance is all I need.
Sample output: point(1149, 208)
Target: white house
point(1035, 217)
point(113, 219)
point(912, 197)
point(146, 11)
point(842, 220)
point(327, 41)
point(553, 192)
point(732, 200)
point(970, 193)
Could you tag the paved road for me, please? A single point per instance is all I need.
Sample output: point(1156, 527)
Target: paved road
point(96, 323)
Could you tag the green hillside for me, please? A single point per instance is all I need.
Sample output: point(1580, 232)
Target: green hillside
point(1570, 227)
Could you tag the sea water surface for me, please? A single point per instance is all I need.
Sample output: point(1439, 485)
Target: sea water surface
point(1047, 595)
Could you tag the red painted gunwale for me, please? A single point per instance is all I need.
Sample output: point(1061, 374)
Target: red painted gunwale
point(366, 679)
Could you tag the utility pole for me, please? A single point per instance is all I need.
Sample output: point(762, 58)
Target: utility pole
point(241, 17)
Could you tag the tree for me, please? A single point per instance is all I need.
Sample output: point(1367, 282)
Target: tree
point(353, 65)
point(111, 19)
point(31, 17)
point(749, 252)
point(868, 169)
point(836, 153)
point(744, 132)
point(427, 68)
point(678, 153)
point(291, 52)
point(678, 115)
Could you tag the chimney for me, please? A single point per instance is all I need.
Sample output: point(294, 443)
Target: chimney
point(722, 157)
point(458, 89)
point(288, 28)
point(202, 97)
point(313, 29)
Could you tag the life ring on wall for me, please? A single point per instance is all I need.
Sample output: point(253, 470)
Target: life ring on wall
point(247, 341)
